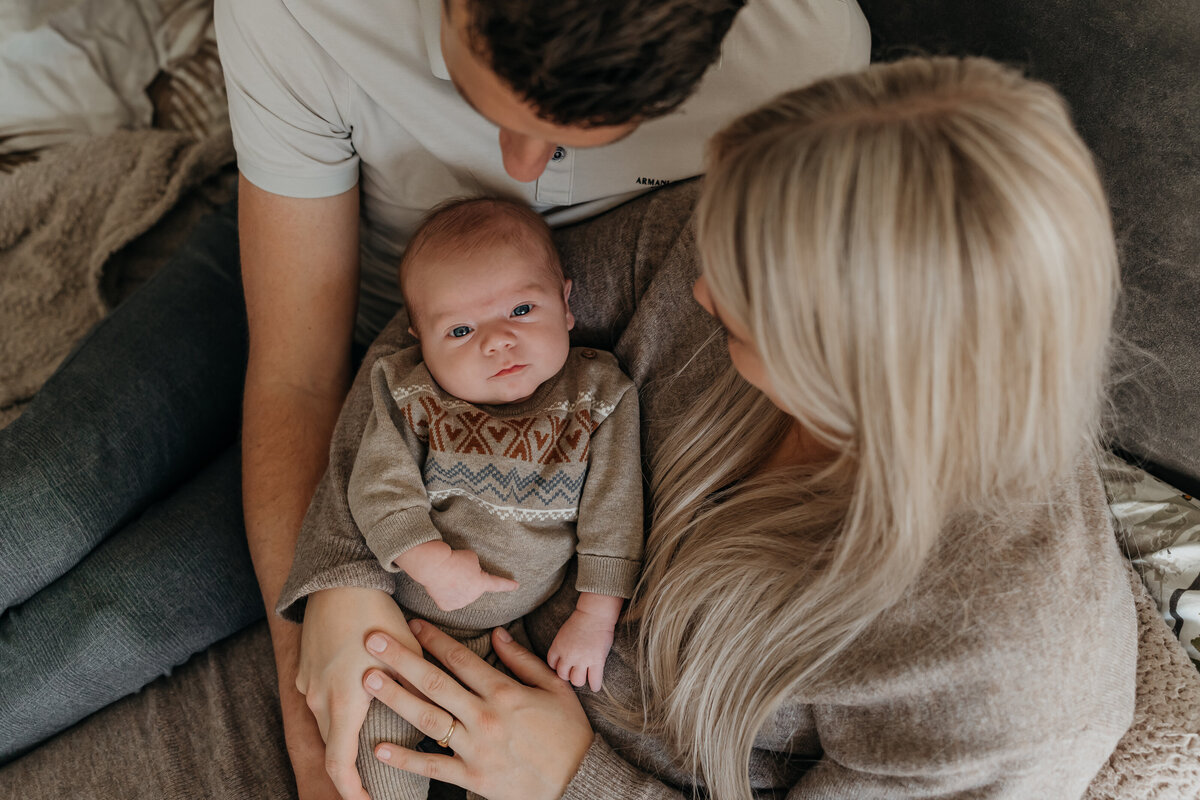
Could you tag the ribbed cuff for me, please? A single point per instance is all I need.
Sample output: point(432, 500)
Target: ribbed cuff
point(400, 532)
point(360, 574)
point(614, 577)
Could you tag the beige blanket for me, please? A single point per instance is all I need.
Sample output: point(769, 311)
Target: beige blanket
point(1159, 757)
point(61, 220)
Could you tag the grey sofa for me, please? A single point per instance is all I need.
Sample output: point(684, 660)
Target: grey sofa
point(1131, 71)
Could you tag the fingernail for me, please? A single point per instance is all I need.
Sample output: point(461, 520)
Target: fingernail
point(374, 681)
point(415, 626)
point(384, 754)
point(503, 635)
point(376, 643)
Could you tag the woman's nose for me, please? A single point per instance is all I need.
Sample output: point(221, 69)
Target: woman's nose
point(524, 157)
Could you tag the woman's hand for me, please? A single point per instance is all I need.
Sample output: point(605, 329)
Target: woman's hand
point(511, 741)
point(332, 663)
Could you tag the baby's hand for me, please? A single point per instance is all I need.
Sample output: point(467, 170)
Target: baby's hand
point(581, 648)
point(453, 578)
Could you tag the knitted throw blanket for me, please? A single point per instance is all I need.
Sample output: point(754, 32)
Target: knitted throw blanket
point(1159, 757)
point(61, 218)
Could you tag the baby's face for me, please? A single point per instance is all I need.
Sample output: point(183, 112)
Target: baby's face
point(493, 324)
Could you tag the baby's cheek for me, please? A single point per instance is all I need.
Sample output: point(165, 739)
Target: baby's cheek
point(435, 362)
point(449, 370)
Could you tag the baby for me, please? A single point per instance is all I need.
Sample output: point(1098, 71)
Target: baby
point(494, 453)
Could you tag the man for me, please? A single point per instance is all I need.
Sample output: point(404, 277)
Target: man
point(351, 119)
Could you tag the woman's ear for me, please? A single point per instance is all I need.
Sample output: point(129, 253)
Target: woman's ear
point(567, 304)
point(701, 295)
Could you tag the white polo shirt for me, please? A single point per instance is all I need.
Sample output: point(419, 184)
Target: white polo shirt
point(324, 94)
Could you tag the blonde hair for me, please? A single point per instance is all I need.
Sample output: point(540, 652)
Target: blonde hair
point(923, 256)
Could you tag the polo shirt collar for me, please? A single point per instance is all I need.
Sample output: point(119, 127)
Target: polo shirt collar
point(431, 26)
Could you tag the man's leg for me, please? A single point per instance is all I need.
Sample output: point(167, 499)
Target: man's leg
point(169, 584)
point(110, 448)
point(150, 396)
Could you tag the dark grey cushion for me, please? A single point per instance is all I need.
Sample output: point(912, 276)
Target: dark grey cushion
point(1131, 71)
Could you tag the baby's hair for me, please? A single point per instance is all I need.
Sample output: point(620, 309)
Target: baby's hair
point(464, 225)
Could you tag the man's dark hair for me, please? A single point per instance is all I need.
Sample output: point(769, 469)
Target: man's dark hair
point(600, 62)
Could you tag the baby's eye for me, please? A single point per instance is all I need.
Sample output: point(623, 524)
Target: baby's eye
point(522, 309)
point(460, 331)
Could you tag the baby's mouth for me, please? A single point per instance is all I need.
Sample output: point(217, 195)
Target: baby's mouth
point(514, 369)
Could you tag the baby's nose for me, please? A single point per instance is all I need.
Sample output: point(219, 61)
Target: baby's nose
point(499, 339)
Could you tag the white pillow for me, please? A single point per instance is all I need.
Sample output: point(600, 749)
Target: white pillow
point(85, 69)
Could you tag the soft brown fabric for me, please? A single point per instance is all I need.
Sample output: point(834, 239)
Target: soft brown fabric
point(1158, 758)
point(212, 729)
point(61, 218)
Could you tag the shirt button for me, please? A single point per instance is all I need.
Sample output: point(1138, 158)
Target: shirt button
point(588, 354)
point(559, 154)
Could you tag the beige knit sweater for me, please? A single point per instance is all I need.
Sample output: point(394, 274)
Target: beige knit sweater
point(1007, 671)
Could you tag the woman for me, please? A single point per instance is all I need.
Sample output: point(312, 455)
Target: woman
point(880, 563)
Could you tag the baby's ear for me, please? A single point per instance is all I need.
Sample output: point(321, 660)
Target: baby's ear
point(567, 303)
point(413, 332)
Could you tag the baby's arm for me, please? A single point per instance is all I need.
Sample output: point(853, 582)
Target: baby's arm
point(609, 546)
point(581, 647)
point(453, 578)
point(386, 497)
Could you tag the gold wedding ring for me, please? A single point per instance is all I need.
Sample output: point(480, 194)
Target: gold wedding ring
point(445, 740)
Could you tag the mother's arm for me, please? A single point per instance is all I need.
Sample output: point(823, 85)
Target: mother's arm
point(1007, 674)
point(530, 739)
point(1008, 671)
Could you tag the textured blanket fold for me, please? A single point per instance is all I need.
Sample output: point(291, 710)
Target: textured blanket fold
point(1159, 756)
point(61, 218)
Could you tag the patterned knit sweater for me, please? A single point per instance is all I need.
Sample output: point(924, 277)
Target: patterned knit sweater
point(525, 485)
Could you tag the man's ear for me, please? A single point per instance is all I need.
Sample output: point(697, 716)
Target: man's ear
point(567, 304)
